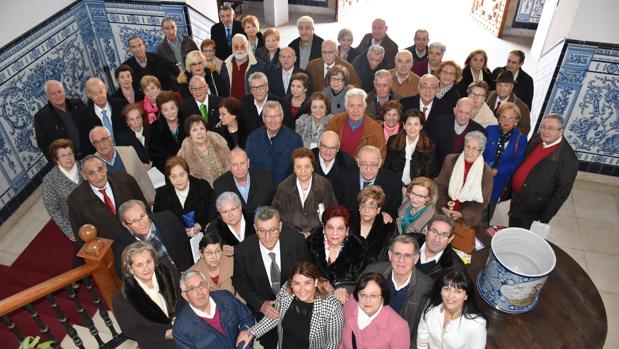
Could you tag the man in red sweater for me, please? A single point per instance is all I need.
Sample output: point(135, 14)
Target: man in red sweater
point(545, 177)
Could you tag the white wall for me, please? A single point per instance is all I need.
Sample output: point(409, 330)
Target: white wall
point(596, 21)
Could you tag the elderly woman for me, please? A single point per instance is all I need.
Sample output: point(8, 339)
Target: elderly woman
point(370, 224)
point(214, 264)
point(339, 256)
point(231, 127)
point(233, 224)
point(465, 182)
point(449, 73)
point(151, 87)
point(505, 150)
point(369, 322)
point(345, 50)
point(269, 53)
point(309, 315)
point(189, 198)
point(59, 182)
point(310, 126)
point(296, 100)
point(475, 70)
point(208, 50)
point(391, 118)
point(251, 27)
point(303, 196)
point(418, 207)
point(436, 50)
point(410, 153)
point(339, 79)
point(124, 77)
point(451, 318)
point(206, 152)
point(482, 114)
point(148, 299)
point(137, 135)
point(167, 133)
point(196, 64)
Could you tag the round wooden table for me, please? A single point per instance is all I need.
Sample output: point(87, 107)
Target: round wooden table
point(570, 312)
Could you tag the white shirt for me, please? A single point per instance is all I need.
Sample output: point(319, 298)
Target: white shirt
point(182, 195)
point(241, 235)
point(327, 67)
point(460, 333)
point(303, 193)
point(544, 145)
point(429, 106)
point(140, 136)
point(363, 320)
point(266, 260)
point(409, 149)
point(108, 112)
point(205, 102)
point(422, 255)
point(395, 284)
point(325, 168)
point(499, 100)
point(153, 293)
point(210, 314)
point(108, 191)
point(286, 75)
point(459, 128)
point(260, 106)
point(72, 174)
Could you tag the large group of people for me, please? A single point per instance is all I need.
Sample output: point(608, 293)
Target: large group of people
point(327, 180)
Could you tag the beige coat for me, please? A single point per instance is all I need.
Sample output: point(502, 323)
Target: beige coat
point(198, 167)
point(226, 270)
point(136, 169)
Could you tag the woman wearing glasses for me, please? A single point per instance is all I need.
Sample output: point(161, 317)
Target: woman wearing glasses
point(418, 206)
point(196, 64)
point(214, 264)
point(449, 73)
point(368, 321)
point(338, 78)
point(233, 224)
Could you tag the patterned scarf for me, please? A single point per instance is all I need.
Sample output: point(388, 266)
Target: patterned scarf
point(440, 93)
point(210, 161)
point(503, 139)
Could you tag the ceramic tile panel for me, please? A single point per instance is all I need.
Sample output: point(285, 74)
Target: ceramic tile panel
point(528, 14)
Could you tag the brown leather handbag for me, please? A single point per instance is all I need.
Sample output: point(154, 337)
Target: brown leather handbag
point(464, 237)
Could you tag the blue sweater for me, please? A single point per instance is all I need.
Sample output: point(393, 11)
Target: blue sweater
point(512, 156)
point(273, 154)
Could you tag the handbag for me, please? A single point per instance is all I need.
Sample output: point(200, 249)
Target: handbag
point(464, 237)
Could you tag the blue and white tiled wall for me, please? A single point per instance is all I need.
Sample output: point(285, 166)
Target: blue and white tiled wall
point(87, 39)
point(528, 14)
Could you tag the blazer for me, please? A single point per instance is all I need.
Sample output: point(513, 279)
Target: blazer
point(226, 270)
point(325, 325)
point(140, 318)
point(471, 210)
point(163, 144)
point(523, 88)
point(135, 168)
point(276, 84)
point(420, 285)
point(170, 232)
point(443, 137)
point(49, 126)
point(452, 96)
point(216, 86)
point(315, 51)
point(251, 119)
point(379, 238)
point(197, 166)
point(439, 108)
point(56, 190)
point(217, 226)
point(315, 70)
point(87, 120)
point(303, 217)
point(253, 66)
point(387, 331)
point(460, 332)
point(448, 259)
point(421, 162)
point(190, 107)
point(524, 124)
point(372, 133)
point(273, 154)
point(85, 207)
point(261, 188)
point(510, 160)
point(200, 200)
point(342, 163)
point(467, 78)
point(371, 109)
point(352, 53)
point(250, 274)
point(138, 95)
point(165, 51)
point(347, 189)
point(128, 138)
point(262, 53)
point(155, 65)
point(223, 48)
point(391, 48)
point(365, 73)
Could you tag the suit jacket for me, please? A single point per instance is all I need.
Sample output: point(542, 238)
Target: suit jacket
point(314, 53)
point(451, 97)
point(216, 85)
point(200, 199)
point(524, 125)
point(443, 137)
point(190, 107)
point(375, 112)
point(276, 84)
point(155, 65)
point(85, 207)
point(223, 48)
point(365, 73)
point(467, 78)
point(249, 113)
point(261, 188)
point(56, 189)
point(347, 189)
point(163, 144)
point(165, 51)
point(342, 162)
point(391, 48)
point(128, 138)
point(49, 126)
point(523, 88)
point(449, 259)
point(510, 160)
point(135, 168)
point(372, 133)
point(218, 226)
point(250, 276)
point(87, 120)
point(439, 108)
point(315, 69)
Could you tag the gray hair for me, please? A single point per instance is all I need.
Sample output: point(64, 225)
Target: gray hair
point(199, 78)
point(227, 196)
point(356, 92)
point(428, 76)
point(344, 33)
point(188, 275)
point(406, 53)
point(126, 259)
point(407, 240)
point(376, 50)
point(382, 74)
point(240, 36)
point(478, 137)
point(273, 105)
point(50, 82)
point(258, 75)
point(265, 213)
point(238, 149)
point(88, 158)
point(305, 20)
point(128, 205)
point(370, 148)
point(480, 84)
point(98, 128)
point(438, 45)
point(445, 219)
point(557, 117)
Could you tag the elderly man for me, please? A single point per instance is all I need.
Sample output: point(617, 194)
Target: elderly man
point(162, 230)
point(449, 131)
point(122, 159)
point(202, 103)
point(239, 66)
point(262, 264)
point(379, 36)
point(545, 177)
point(366, 65)
point(146, 63)
point(436, 51)
point(212, 319)
point(354, 127)
point(97, 198)
point(419, 49)
point(482, 114)
point(382, 94)
point(57, 119)
point(270, 146)
point(504, 93)
point(426, 101)
point(174, 47)
point(407, 286)
point(280, 77)
point(404, 82)
point(369, 172)
point(223, 32)
point(307, 46)
point(436, 253)
point(100, 111)
point(253, 185)
point(329, 161)
point(234, 223)
point(317, 69)
point(253, 103)
point(523, 82)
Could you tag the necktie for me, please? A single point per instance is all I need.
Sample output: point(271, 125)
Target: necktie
point(107, 122)
point(286, 81)
point(425, 110)
point(228, 34)
point(275, 274)
point(108, 201)
point(203, 111)
point(366, 183)
point(498, 105)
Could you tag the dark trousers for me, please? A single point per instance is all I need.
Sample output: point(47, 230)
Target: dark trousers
point(520, 222)
point(269, 339)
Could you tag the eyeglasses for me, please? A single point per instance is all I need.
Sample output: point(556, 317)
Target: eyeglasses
point(197, 88)
point(370, 165)
point(67, 155)
point(269, 231)
point(137, 220)
point(209, 253)
point(418, 196)
point(325, 148)
point(442, 236)
point(230, 211)
point(340, 228)
point(368, 207)
point(336, 79)
point(448, 72)
point(258, 88)
point(472, 149)
point(101, 141)
point(549, 128)
point(200, 286)
point(406, 256)
point(428, 87)
point(370, 296)
point(476, 95)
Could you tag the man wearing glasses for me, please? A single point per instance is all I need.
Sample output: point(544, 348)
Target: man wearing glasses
point(317, 68)
point(426, 102)
point(202, 103)
point(329, 161)
point(436, 253)
point(239, 66)
point(262, 264)
point(253, 103)
point(407, 286)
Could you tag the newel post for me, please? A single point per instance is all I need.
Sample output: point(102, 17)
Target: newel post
point(98, 251)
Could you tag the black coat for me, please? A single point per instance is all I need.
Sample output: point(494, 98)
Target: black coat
point(48, 125)
point(216, 85)
point(276, 84)
point(87, 120)
point(261, 188)
point(378, 240)
point(448, 259)
point(155, 65)
point(118, 94)
point(200, 199)
point(391, 49)
point(451, 97)
point(343, 162)
point(352, 54)
point(366, 74)
point(443, 138)
point(523, 88)
point(262, 53)
point(218, 226)
point(127, 137)
point(467, 78)
point(223, 49)
point(315, 51)
point(421, 162)
point(190, 107)
point(439, 108)
point(250, 117)
point(237, 139)
point(163, 144)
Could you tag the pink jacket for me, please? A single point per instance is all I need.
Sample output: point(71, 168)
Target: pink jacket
point(387, 330)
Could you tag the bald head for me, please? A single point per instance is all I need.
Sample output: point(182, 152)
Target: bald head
point(464, 111)
point(287, 58)
point(379, 29)
point(329, 146)
point(97, 92)
point(329, 51)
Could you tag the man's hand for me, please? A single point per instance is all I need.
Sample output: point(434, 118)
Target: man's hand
point(268, 310)
point(341, 294)
point(228, 250)
point(387, 218)
point(168, 334)
point(244, 336)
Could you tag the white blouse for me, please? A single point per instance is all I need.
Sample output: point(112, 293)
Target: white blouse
point(460, 333)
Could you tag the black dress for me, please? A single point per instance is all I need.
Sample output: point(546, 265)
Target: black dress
point(296, 325)
point(378, 239)
point(163, 143)
point(200, 199)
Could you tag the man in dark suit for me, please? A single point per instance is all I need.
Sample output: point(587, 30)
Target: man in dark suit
point(329, 160)
point(349, 183)
point(100, 111)
point(223, 32)
point(419, 49)
point(174, 47)
point(97, 198)
point(280, 77)
point(307, 46)
point(436, 253)
point(505, 93)
point(162, 230)
point(262, 264)
point(367, 64)
point(379, 36)
point(426, 102)
point(57, 119)
point(317, 68)
point(254, 186)
point(146, 63)
point(202, 103)
point(523, 82)
point(253, 103)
